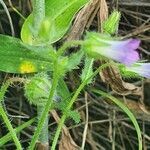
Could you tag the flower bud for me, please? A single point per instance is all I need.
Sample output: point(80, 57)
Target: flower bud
point(37, 89)
point(111, 24)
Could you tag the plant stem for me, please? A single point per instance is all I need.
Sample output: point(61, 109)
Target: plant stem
point(38, 15)
point(7, 84)
point(42, 127)
point(47, 107)
point(8, 137)
point(69, 44)
point(63, 118)
point(43, 138)
point(10, 128)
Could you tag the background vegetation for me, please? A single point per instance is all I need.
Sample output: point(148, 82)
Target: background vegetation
point(103, 125)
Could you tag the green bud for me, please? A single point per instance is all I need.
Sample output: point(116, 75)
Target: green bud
point(37, 89)
point(111, 24)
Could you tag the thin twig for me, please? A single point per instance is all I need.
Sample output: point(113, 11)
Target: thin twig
point(86, 123)
point(9, 17)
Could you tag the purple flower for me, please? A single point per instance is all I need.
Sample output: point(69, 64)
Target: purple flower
point(143, 69)
point(99, 45)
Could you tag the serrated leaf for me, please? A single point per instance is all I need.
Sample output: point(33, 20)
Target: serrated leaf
point(63, 90)
point(17, 57)
point(88, 69)
point(74, 115)
point(64, 93)
point(74, 60)
point(59, 14)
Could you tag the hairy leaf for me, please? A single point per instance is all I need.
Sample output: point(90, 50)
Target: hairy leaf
point(74, 115)
point(88, 69)
point(17, 57)
point(63, 90)
point(74, 60)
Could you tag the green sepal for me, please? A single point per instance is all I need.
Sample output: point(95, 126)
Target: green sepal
point(126, 73)
point(63, 63)
point(94, 43)
point(63, 90)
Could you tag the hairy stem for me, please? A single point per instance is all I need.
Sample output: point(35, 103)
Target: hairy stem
point(47, 107)
point(8, 137)
point(43, 138)
point(10, 128)
point(2, 112)
point(63, 118)
point(38, 15)
point(69, 44)
point(42, 127)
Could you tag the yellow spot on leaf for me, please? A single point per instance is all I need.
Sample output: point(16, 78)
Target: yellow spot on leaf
point(27, 67)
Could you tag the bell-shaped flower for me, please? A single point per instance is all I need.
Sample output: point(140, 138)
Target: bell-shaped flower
point(142, 69)
point(102, 46)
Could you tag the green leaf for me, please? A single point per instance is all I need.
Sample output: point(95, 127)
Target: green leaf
point(74, 115)
point(63, 90)
point(74, 60)
point(88, 69)
point(64, 93)
point(63, 63)
point(17, 57)
point(59, 14)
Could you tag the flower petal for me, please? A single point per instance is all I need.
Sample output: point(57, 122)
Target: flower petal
point(126, 57)
point(133, 43)
point(126, 50)
point(99, 45)
point(130, 57)
point(130, 44)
